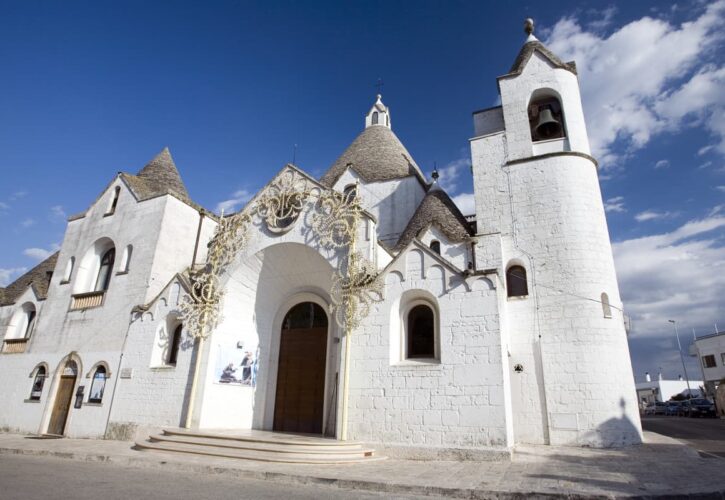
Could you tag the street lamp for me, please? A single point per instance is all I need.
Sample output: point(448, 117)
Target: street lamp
point(679, 348)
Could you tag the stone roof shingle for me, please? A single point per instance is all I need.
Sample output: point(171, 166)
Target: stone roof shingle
point(436, 209)
point(376, 155)
point(37, 277)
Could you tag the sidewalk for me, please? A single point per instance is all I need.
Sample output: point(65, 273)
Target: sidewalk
point(662, 467)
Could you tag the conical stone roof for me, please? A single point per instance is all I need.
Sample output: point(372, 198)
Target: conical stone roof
point(376, 155)
point(436, 209)
point(161, 175)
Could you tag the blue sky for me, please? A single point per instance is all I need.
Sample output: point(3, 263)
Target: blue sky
point(92, 88)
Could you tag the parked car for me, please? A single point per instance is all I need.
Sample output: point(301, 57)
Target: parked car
point(702, 408)
point(649, 409)
point(656, 408)
point(673, 408)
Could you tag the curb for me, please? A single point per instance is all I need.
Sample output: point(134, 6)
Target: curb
point(346, 484)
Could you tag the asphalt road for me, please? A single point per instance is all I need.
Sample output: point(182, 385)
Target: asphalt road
point(27, 477)
point(704, 434)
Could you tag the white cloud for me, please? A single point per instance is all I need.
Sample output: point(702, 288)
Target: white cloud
point(57, 212)
point(37, 253)
point(41, 253)
point(237, 199)
point(705, 165)
point(704, 150)
point(677, 275)
point(8, 275)
point(652, 215)
point(615, 204)
point(27, 222)
point(646, 78)
point(662, 164)
point(18, 194)
point(721, 188)
point(465, 203)
point(450, 174)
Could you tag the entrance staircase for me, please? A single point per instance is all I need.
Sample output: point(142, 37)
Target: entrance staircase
point(259, 445)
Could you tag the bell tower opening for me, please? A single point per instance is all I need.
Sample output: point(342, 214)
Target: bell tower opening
point(546, 117)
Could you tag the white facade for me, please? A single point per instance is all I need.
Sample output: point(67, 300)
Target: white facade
point(453, 358)
point(710, 352)
point(664, 390)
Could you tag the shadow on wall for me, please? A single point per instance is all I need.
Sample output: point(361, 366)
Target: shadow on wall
point(615, 432)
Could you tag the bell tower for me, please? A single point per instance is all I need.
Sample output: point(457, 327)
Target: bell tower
point(541, 222)
point(379, 114)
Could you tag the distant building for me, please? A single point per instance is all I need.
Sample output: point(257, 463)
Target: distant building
point(710, 351)
point(662, 390)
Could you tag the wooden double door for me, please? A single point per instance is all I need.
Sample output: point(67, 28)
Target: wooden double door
point(299, 401)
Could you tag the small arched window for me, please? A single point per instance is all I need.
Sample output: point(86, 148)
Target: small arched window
point(546, 118)
point(98, 385)
point(606, 308)
point(126, 259)
point(114, 201)
point(37, 390)
point(69, 269)
point(375, 117)
point(420, 333)
point(435, 245)
point(350, 192)
point(104, 271)
point(516, 284)
point(31, 314)
point(174, 344)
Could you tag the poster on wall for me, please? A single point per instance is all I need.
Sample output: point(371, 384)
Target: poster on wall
point(237, 365)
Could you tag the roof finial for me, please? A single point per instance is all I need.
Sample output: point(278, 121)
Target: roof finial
point(529, 26)
point(435, 174)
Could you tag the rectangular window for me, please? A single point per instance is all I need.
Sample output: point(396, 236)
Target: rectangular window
point(709, 361)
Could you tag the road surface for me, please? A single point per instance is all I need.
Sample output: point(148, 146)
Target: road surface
point(704, 434)
point(28, 477)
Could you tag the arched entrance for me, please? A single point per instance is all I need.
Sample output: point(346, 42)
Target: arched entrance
point(299, 401)
point(63, 398)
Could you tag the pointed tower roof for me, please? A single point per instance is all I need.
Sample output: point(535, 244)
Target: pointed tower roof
point(436, 209)
point(534, 45)
point(161, 175)
point(376, 154)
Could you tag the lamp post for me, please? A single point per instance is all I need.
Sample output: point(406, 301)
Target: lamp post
point(679, 348)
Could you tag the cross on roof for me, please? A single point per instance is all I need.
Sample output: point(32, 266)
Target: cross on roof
point(379, 85)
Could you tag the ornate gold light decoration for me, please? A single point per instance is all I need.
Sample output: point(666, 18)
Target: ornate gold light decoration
point(334, 222)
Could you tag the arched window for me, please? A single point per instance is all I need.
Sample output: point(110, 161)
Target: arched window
point(98, 385)
point(435, 245)
point(22, 322)
point(69, 269)
point(104, 271)
point(114, 201)
point(420, 326)
point(516, 285)
point(174, 343)
point(126, 259)
point(350, 192)
point(31, 323)
point(375, 117)
point(546, 118)
point(606, 308)
point(37, 390)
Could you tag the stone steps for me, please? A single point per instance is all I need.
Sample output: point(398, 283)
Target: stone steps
point(260, 446)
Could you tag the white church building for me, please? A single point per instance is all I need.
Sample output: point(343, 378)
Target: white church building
point(359, 306)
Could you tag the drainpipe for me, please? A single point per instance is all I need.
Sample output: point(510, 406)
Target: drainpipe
point(202, 214)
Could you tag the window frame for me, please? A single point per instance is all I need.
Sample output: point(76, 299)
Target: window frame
point(435, 246)
point(174, 345)
point(38, 378)
point(709, 357)
point(114, 202)
point(99, 369)
point(405, 337)
point(509, 291)
point(107, 276)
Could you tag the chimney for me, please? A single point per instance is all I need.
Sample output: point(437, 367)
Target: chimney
point(647, 377)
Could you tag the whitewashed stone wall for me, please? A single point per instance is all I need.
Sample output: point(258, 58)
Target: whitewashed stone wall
point(392, 202)
point(458, 401)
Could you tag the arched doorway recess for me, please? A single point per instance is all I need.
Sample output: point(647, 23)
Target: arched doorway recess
point(299, 400)
point(63, 398)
